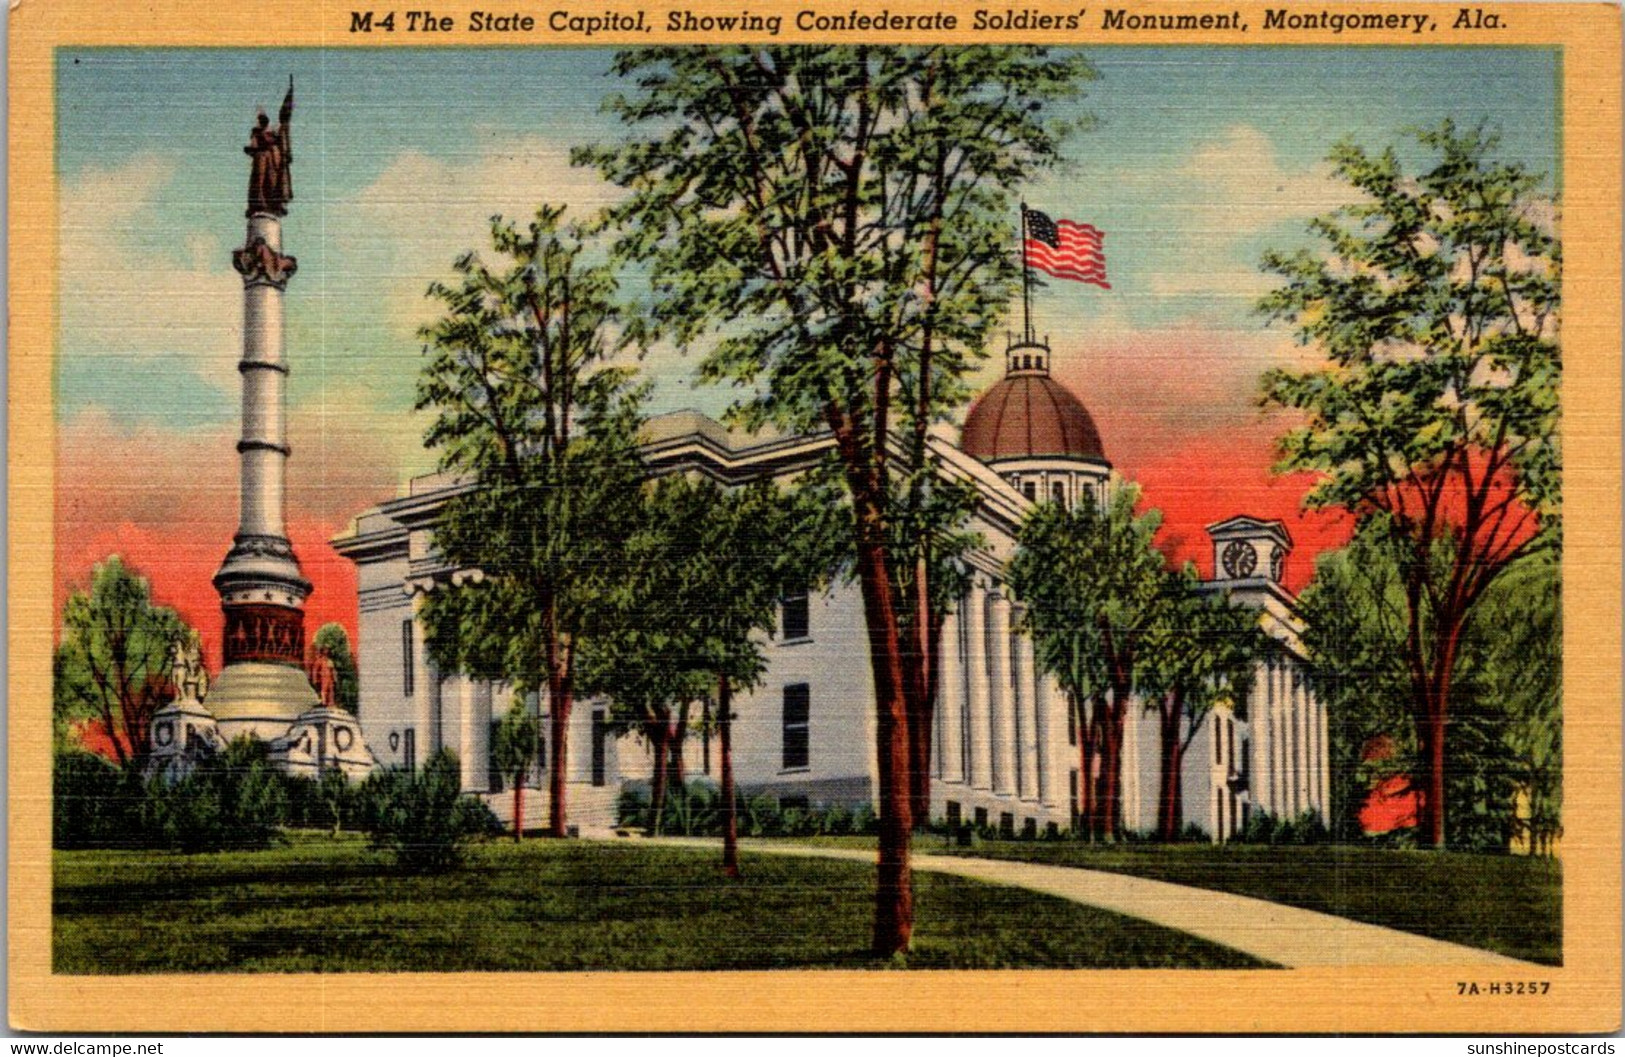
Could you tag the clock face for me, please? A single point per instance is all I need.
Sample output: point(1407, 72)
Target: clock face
point(1240, 559)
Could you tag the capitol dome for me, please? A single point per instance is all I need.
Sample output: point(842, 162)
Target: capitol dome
point(1034, 431)
point(1030, 415)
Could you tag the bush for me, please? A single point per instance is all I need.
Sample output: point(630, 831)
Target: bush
point(696, 811)
point(94, 803)
point(234, 799)
point(1264, 828)
point(423, 818)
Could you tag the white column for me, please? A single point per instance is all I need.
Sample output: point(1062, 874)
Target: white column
point(1325, 758)
point(1300, 731)
point(976, 687)
point(264, 445)
point(1003, 712)
point(1030, 713)
point(424, 704)
point(1263, 773)
point(474, 734)
point(1043, 736)
point(1278, 728)
point(950, 702)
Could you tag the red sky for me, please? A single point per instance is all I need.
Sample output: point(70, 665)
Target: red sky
point(174, 524)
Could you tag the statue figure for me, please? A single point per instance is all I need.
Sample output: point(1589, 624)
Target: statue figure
point(187, 673)
point(270, 181)
point(323, 678)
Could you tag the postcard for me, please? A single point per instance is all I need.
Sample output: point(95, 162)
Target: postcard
point(755, 517)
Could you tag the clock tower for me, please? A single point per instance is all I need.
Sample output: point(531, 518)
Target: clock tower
point(1249, 549)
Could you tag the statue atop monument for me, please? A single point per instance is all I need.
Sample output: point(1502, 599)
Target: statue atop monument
point(270, 180)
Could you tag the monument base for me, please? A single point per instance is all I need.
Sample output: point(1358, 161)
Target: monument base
point(260, 699)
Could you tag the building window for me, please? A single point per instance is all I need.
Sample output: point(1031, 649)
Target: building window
point(1071, 725)
point(408, 661)
point(409, 748)
point(600, 749)
point(1057, 492)
point(952, 808)
point(1030, 489)
point(1007, 825)
point(1218, 740)
point(795, 618)
point(797, 706)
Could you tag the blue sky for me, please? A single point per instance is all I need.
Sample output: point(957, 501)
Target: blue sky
point(1203, 157)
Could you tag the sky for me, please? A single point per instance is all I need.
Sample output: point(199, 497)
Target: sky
point(1201, 159)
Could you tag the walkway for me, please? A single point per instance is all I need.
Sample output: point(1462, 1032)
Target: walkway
point(1287, 936)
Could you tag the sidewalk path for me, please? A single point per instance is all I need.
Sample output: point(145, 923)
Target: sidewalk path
point(1288, 936)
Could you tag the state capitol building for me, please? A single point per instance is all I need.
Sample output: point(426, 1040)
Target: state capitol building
point(1006, 748)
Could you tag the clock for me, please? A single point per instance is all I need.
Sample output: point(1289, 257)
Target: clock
point(1240, 559)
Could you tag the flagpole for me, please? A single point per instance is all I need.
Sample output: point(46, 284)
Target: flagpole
point(1026, 283)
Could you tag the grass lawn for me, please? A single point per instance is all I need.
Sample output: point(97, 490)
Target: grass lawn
point(324, 905)
point(1504, 903)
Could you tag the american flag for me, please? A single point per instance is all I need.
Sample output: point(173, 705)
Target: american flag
point(1065, 249)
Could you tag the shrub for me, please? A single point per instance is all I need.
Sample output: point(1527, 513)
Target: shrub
point(92, 801)
point(232, 800)
point(1263, 828)
point(423, 819)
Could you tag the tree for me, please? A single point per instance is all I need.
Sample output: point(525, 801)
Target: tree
point(528, 405)
point(336, 641)
point(1506, 725)
point(1200, 651)
point(841, 215)
point(112, 666)
point(1435, 301)
point(513, 748)
point(1090, 581)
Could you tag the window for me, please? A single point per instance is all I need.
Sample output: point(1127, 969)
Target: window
point(1030, 489)
point(408, 661)
point(1230, 737)
point(797, 706)
point(1075, 819)
point(1218, 741)
point(796, 620)
point(1071, 725)
point(1057, 492)
point(981, 818)
point(600, 744)
point(1029, 828)
point(1007, 825)
point(409, 748)
point(953, 815)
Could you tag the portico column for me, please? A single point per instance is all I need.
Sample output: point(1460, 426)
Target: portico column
point(1044, 738)
point(1263, 773)
point(976, 686)
point(1031, 711)
point(1300, 773)
point(1004, 713)
point(425, 688)
point(1325, 761)
point(950, 700)
point(1283, 759)
point(474, 734)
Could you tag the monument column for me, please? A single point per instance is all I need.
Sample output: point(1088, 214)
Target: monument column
point(262, 589)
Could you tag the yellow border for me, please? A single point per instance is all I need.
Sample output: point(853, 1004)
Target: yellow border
point(1585, 992)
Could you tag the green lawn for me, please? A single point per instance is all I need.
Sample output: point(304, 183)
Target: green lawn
point(1508, 904)
point(334, 906)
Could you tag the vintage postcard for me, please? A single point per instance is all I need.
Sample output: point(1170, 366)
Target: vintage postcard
point(911, 517)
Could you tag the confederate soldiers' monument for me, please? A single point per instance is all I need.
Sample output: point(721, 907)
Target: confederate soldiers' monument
point(263, 690)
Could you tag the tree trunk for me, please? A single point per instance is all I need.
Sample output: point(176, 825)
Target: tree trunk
point(922, 723)
point(657, 786)
point(560, 661)
point(1435, 718)
point(894, 896)
point(679, 738)
point(730, 807)
point(1168, 798)
point(518, 805)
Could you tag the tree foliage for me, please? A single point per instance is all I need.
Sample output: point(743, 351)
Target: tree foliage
point(1505, 746)
point(112, 666)
point(1091, 581)
point(1200, 652)
point(837, 221)
point(531, 411)
point(1434, 298)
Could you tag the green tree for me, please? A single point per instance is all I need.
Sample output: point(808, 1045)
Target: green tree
point(1091, 581)
point(336, 641)
point(1435, 301)
point(514, 746)
point(1506, 729)
point(112, 666)
point(527, 403)
point(839, 220)
point(1200, 652)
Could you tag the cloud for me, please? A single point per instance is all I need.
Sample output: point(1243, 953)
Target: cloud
point(123, 303)
point(1242, 187)
point(405, 228)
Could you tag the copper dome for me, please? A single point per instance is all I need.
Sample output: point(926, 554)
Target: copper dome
point(1030, 415)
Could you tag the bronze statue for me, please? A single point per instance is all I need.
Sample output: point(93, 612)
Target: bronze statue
point(270, 179)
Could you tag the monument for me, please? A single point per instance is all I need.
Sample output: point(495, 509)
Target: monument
point(263, 690)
